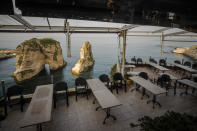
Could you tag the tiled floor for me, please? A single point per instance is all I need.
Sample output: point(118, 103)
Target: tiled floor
point(81, 115)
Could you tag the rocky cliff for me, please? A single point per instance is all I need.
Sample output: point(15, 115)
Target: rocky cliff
point(188, 51)
point(33, 54)
point(7, 53)
point(86, 59)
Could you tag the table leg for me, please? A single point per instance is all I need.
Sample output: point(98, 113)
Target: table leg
point(39, 127)
point(108, 115)
point(175, 87)
point(144, 93)
point(154, 101)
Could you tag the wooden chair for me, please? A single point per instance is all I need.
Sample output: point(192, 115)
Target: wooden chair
point(15, 90)
point(60, 86)
point(81, 87)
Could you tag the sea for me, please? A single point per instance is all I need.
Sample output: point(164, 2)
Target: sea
point(105, 53)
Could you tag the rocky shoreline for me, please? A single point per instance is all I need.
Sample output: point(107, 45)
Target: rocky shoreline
point(187, 51)
point(7, 53)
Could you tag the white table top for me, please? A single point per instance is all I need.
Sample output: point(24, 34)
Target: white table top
point(194, 75)
point(129, 66)
point(96, 84)
point(185, 68)
point(39, 109)
point(103, 95)
point(188, 82)
point(161, 68)
point(106, 99)
point(156, 90)
point(133, 73)
point(171, 76)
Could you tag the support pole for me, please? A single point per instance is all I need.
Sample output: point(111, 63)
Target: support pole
point(68, 40)
point(3, 88)
point(123, 52)
point(161, 45)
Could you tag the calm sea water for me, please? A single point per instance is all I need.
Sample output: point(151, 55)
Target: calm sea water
point(104, 47)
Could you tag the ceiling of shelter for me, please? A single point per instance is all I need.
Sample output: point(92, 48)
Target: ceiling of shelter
point(167, 13)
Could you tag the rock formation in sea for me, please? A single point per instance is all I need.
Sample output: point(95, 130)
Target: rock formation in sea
point(33, 54)
point(188, 51)
point(7, 53)
point(86, 59)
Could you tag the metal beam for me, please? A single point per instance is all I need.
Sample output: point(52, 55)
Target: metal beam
point(52, 31)
point(48, 23)
point(161, 30)
point(176, 33)
point(22, 21)
point(181, 40)
point(127, 27)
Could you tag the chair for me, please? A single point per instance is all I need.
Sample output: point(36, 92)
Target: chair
point(177, 61)
point(133, 59)
point(143, 75)
point(153, 60)
point(139, 61)
point(187, 63)
point(164, 81)
point(15, 90)
point(162, 62)
point(119, 82)
point(60, 86)
point(105, 79)
point(194, 66)
point(81, 87)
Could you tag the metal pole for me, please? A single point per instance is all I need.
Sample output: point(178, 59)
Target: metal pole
point(123, 52)
point(3, 88)
point(161, 45)
point(52, 79)
point(68, 40)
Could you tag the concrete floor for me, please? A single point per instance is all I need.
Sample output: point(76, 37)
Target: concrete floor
point(81, 115)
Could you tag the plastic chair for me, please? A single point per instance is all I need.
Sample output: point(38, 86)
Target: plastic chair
point(15, 90)
point(105, 79)
point(81, 87)
point(177, 61)
point(165, 81)
point(162, 62)
point(187, 63)
point(133, 59)
point(139, 61)
point(194, 66)
point(60, 86)
point(119, 82)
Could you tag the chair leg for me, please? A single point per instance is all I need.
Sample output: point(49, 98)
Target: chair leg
point(76, 96)
point(67, 102)
point(87, 94)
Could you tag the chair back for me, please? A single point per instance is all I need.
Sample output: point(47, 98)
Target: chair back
point(14, 90)
point(177, 61)
point(117, 76)
point(187, 63)
point(60, 85)
point(139, 60)
point(194, 66)
point(165, 78)
point(133, 59)
point(80, 82)
point(162, 62)
point(143, 75)
point(153, 60)
point(104, 78)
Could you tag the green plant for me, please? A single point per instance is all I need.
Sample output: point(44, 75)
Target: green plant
point(170, 121)
point(113, 70)
point(47, 41)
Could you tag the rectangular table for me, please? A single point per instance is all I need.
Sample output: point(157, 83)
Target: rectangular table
point(185, 68)
point(160, 68)
point(40, 107)
point(188, 84)
point(133, 73)
point(104, 97)
point(147, 85)
point(130, 67)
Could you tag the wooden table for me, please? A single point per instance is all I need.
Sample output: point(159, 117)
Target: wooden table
point(188, 83)
point(104, 97)
point(147, 85)
point(186, 68)
point(156, 66)
point(39, 110)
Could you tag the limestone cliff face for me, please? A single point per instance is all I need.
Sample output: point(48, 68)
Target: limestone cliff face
point(188, 51)
point(32, 55)
point(86, 59)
